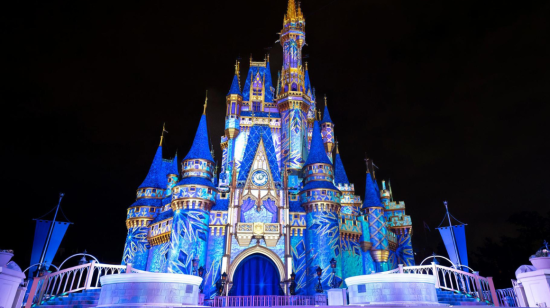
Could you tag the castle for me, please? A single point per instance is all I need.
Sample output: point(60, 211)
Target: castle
point(281, 206)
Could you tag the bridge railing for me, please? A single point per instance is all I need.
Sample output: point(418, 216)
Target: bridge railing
point(269, 300)
point(74, 279)
point(451, 279)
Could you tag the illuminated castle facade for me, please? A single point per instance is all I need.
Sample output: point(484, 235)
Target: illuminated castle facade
point(281, 203)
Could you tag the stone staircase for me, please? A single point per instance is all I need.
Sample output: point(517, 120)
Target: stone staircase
point(457, 299)
point(84, 299)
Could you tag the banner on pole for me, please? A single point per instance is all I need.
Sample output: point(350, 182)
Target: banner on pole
point(460, 238)
point(40, 236)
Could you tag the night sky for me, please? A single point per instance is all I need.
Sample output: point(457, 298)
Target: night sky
point(449, 98)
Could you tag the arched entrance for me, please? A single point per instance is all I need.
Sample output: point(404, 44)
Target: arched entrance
point(256, 274)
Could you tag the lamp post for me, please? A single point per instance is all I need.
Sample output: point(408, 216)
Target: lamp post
point(292, 284)
point(333, 266)
point(195, 264)
point(201, 271)
point(319, 288)
point(222, 284)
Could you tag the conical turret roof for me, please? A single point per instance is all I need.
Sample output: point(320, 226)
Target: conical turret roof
point(156, 177)
point(326, 116)
point(340, 176)
point(317, 152)
point(173, 167)
point(235, 89)
point(372, 198)
point(200, 148)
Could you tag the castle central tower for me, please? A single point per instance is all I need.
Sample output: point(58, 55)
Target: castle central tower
point(294, 97)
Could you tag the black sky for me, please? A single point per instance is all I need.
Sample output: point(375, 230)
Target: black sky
point(450, 99)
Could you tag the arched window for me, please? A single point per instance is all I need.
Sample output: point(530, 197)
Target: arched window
point(232, 108)
point(257, 85)
point(294, 87)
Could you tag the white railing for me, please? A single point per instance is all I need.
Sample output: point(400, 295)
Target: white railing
point(452, 279)
point(507, 298)
point(74, 279)
point(269, 300)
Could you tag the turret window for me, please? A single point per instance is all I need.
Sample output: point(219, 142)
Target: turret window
point(232, 108)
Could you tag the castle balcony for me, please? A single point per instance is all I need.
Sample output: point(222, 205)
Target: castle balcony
point(350, 228)
point(270, 232)
point(392, 240)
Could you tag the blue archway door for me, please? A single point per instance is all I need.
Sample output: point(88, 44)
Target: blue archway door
point(256, 275)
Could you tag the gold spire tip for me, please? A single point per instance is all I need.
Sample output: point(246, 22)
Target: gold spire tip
point(205, 103)
point(325, 100)
point(162, 134)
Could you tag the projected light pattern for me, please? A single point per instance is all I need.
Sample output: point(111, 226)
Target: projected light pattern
point(282, 193)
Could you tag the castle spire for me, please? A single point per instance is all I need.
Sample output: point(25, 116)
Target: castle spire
point(326, 115)
point(340, 176)
point(156, 177)
point(236, 83)
point(200, 148)
point(291, 9)
point(162, 134)
point(317, 154)
point(205, 103)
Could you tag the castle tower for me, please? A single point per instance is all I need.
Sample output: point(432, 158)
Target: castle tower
point(140, 214)
point(293, 101)
point(234, 101)
point(192, 199)
point(327, 131)
point(374, 212)
point(321, 201)
point(400, 225)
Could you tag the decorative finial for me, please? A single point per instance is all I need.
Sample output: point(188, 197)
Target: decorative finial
point(205, 103)
point(337, 151)
point(306, 65)
point(318, 115)
point(367, 162)
point(445, 203)
point(267, 57)
point(325, 100)
point(162, 134)
point(250, 58)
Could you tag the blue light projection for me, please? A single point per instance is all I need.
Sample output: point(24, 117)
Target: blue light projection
point(297, 197)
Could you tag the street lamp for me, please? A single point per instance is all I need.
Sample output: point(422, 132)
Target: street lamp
point(201, 271)
point(292, 284)
point(319, 288)
point(333, 266)
point(222, 284)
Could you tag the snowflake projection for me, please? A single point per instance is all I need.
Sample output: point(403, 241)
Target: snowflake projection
point(323, 235)
point(135, 249)
point(189, 240)
point(404, 250)
point(299, 263)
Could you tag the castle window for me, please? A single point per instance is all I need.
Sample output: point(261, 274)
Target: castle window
point(308, 194)
point(294, 87)
point(218, 214)
point(257, 106)
point(257, 86)
point(193, 188)
point(232, 107)
point(323, 192)
point(209, 190)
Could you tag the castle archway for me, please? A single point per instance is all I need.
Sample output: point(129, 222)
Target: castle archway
point(256, 271)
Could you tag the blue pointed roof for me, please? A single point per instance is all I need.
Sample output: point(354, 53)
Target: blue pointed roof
point(371, 197)
point(307, 83)
point(173, 167)
point(326, 116)
point(317, 152)
point(257, 133)
point(156, 177)
point(268, 84)
point(235, 86)
point(265, 75)
point(200, 148)
point(340, 176)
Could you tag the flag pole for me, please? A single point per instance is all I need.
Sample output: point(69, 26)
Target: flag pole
point(453, 236)
point(45, 249)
